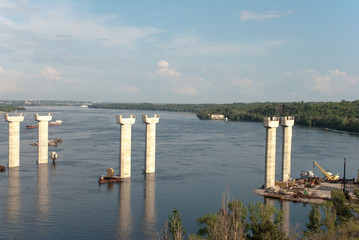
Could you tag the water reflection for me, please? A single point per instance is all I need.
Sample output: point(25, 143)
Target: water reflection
point(285, 206)
point(42, 191)
point(149, 218)
point(124, 212)
point(53, 167)
point(270, 202)
point(13, 197)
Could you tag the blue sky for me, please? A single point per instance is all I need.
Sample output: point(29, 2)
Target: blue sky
point(180, 51)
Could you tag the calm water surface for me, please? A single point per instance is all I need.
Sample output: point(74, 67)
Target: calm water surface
point(195, 162)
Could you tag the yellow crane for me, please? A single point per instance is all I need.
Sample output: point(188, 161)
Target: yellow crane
point(328, 175)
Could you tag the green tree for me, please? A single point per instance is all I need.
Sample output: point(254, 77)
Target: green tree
point(261, 226)
point(342, 209)
point(175, 225)
point(314, 219)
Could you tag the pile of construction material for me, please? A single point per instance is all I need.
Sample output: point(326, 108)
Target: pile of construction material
point(54, 142)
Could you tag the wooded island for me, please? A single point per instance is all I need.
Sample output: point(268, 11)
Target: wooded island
point(342, 115)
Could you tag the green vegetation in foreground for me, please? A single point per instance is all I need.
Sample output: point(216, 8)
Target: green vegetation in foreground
point(9, 108)
point(260, 221)
point(342, 115)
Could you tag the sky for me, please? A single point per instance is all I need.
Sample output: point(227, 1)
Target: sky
point(201, 51)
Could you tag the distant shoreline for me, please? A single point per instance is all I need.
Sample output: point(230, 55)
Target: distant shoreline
point(332, 116)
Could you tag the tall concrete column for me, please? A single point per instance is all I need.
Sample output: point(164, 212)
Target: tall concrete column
point(125, 148)
point(271, 125)
point(43, 139)
point(287, 124)
point(14, 139)
point(150, 160)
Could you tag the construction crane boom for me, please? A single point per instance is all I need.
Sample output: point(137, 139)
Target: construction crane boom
point(328, 175)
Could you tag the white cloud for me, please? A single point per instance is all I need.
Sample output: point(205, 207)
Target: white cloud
point(131, 89)
point(262, 16)
point(166, 71)
point(322, 83)
point(187, 90)
point(10, 81)
point(332, 82)
point(62, 21)
point(163, 64)
point(245, 82)
point(51, 73)
point(191, 44)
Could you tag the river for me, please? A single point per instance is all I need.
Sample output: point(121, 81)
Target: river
point(196, 161)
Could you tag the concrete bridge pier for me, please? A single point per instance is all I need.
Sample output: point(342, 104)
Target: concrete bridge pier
point(43, 137)
point(14, 139)
point(287, 124)
point(150, 160)
point(125, 148)
point(271, 125)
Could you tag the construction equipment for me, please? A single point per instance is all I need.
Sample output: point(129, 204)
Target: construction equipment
point(328, 175)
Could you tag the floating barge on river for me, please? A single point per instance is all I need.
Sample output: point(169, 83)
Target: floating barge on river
point(305, 192)
point(51, 123)
point(106, 179)
point(109, 178)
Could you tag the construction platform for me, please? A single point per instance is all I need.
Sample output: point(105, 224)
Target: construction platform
point(314, 194)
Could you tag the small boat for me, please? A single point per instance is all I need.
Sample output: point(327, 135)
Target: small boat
point(2, 168)
point(106, 179)
point(53, 123)
point(32, 126)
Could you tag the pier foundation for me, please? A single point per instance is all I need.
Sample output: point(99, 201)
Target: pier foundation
point(125, 148)
point(14, 139)
point(150, 159)
point(287, 124)
point(43, 137)
point(271, 125)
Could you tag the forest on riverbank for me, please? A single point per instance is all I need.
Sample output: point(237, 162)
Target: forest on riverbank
point(342, 115)
point(9, 108)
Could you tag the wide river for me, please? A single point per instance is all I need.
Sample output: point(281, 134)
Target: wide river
point(196, 161)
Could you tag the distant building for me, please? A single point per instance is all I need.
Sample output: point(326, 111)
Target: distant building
point(217, 116)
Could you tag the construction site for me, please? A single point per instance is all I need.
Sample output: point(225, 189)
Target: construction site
point(308, 188)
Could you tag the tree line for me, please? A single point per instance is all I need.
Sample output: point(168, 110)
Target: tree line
point(9, 108)
point(342, 115)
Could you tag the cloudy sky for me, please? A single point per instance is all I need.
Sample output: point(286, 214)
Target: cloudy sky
point(186, 51)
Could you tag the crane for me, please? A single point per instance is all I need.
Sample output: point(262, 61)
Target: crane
point(328, 175)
